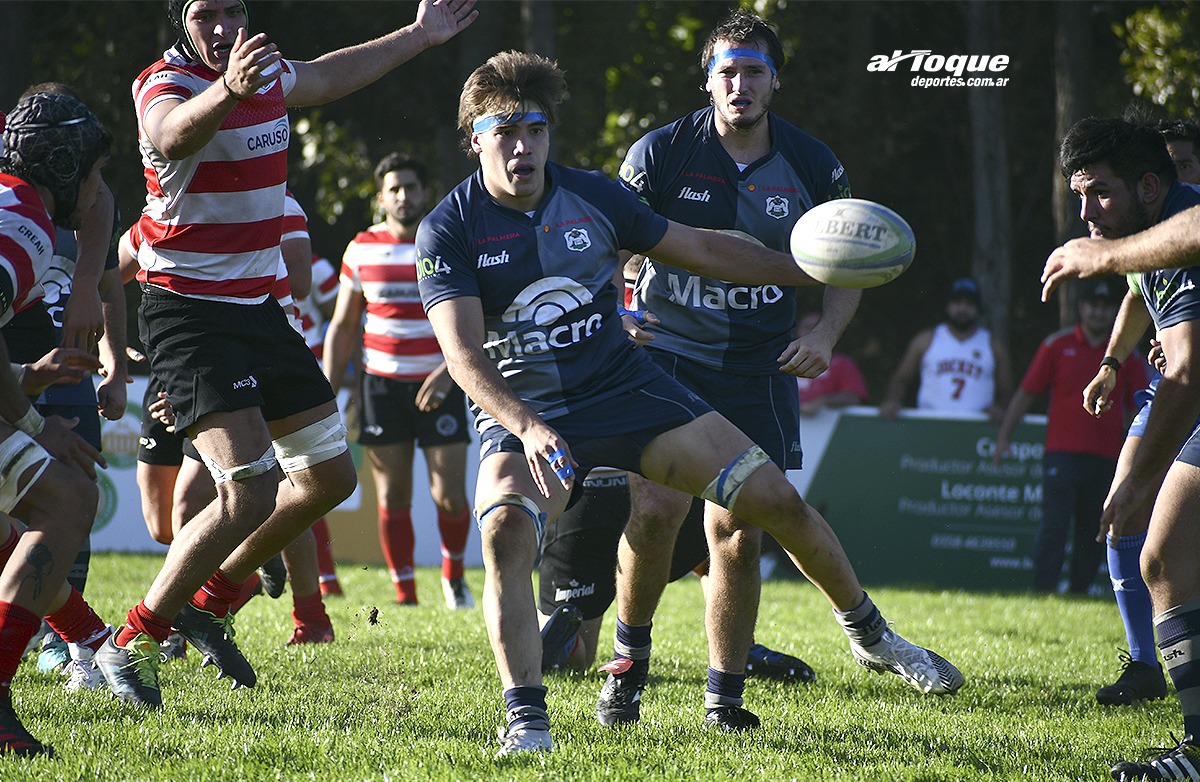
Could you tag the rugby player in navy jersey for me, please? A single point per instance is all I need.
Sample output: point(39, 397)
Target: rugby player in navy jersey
point(1143, 221)
point(517, 266)
point(732, 165)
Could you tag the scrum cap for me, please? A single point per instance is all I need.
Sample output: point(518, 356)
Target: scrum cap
point(177, 13)
point(53, 141)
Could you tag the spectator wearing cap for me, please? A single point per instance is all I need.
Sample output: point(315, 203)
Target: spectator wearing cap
point(963, 368)
point(1081, 450)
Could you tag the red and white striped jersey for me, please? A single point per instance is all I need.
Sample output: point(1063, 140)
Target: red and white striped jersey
point(281, 289)
point(26, 245)
point(324, 290)
point(295, 221)
point(398, 341)
point(212, 222)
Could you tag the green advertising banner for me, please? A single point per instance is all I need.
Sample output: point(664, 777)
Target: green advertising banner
point(918, 501)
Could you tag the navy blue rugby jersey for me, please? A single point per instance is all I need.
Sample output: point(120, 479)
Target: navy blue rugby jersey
point(545, 284)
point(1171, 295)
point(683, 173)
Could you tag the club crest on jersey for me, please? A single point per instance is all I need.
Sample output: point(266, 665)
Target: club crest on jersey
point(777, 207)
point(577, 240)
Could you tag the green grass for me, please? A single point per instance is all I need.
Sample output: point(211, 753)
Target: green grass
point(415, 696)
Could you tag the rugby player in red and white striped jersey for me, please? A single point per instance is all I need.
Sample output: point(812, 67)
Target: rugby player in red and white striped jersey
point(407, 395)
point(53, 151)
point(213, 130)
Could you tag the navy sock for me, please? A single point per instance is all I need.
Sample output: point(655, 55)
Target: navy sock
point(633, 641)
point(1133, 599)
point(527, 707)
point(1179, 641)
point(864, 624)
point(724, 689)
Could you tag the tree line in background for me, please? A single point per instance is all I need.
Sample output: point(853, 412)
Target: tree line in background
point(972, 169)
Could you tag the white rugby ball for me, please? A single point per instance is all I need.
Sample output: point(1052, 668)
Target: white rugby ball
point(852, 243)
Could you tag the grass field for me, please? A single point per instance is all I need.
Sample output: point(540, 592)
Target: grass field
point(415, 696)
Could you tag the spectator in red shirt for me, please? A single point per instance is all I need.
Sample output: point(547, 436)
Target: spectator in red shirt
point(1081, 450)
point(841, 385)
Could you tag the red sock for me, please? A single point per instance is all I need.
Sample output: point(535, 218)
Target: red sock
point(10, 545)
point(217, 595)
point(17, 626)
point(309, 611)
point(396, 535)
point(142, 620)
point(454, 528)
point(250, 588)
point(325, 564)
point(77, 623)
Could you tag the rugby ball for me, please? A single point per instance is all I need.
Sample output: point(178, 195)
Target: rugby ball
point(852, 243)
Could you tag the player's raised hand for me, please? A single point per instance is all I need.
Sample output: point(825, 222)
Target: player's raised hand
point(1077, 258)
point(252, 64)
point(441, 20)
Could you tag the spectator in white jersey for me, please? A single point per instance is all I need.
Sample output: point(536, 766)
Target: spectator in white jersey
point(213, 132)
point(407, 396)
point(963, 367)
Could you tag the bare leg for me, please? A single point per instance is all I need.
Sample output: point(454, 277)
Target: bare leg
point(644, 553)
point(731, 608)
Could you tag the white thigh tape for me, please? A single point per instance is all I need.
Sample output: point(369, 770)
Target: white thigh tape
point(311, 445)
point(262, 464)
point(725, 487)
point(19, 453)
point(519, 501)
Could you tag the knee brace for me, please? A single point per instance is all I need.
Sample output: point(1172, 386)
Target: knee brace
point(724, 489)
point(241, 472)
point(18, 454)
point(517, 500)
point(312, 444)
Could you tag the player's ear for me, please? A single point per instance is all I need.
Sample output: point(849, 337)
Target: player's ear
point(476, 147)
point(1149, 187)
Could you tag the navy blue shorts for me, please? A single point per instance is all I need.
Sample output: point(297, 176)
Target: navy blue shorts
point(615, 433)
point(217, 357)
point(1189, 452)
point(765, 407)
point(390, 414)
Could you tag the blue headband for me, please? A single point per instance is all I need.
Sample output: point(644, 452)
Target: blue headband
point(729, 54)
point(484, 124)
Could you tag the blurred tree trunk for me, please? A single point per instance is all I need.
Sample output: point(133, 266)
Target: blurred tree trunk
point(991, 251)
point(537, 17)
point(1072, 102)
point(14, 54)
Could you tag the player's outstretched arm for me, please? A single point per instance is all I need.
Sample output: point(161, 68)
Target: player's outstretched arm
point(1172, 243)
point(344, 71)
point(725, 257)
